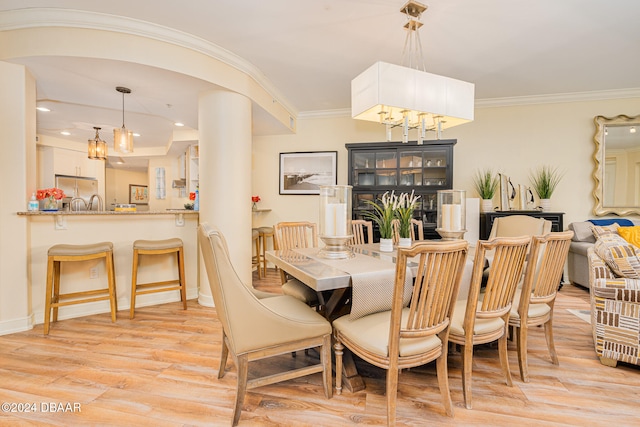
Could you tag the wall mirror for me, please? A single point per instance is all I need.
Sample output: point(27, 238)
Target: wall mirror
point(617, 165)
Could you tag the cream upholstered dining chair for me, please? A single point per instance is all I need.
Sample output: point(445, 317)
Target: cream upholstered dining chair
point(417, 230)
point(409, 336)
point(291, 235)
point(519, 225)
point(484, 318)
point(544, 272)
point(362, 232)
point(259, 328)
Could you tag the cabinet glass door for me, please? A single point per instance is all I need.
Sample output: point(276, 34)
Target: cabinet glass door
point(386, 168)
point(435, 168)
point(411, 168)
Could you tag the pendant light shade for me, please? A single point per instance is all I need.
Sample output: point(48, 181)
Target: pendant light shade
point(97, 147)
point(123, 138)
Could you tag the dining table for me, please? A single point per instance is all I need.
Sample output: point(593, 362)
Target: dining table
point(363, 282)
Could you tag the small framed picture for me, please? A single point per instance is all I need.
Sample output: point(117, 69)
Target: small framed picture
point(304, 173)
point(138, 194)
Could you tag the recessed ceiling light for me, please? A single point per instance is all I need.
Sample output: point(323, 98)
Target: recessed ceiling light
point(632, 130)
point(45, 109)
point(136, 134)
point(65, 133)
point(179, 124)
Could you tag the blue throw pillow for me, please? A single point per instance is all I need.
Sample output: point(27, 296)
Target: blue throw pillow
point(621, 222)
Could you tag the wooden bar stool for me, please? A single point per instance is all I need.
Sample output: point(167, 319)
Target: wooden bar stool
point(265, 233)
point(157, 247)
point(62, 253)
point(255, 238)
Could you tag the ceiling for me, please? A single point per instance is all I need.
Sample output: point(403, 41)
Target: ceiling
point(310, 50)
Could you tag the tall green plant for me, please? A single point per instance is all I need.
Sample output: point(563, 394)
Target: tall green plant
point(406, 205)
point(545, 180)
point(383, 215)
point(486, 183)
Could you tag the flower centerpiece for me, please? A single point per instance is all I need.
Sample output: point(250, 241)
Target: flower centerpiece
point(404, 212)
point(255, 200)
point(486, 185)
point(51, 197)
point(383, 216)
point(545, 180)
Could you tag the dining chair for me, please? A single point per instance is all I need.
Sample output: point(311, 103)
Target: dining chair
point(413, 335)
point(362, 232)
point(519, 225)
point(547, 257)
point(256, 328)
point(291, 235)
point(483, 318)
point(417, 230)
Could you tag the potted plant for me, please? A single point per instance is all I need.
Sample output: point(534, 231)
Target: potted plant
point(406, 205)
point(383, 215)
point(486, 185)
point(544, 181)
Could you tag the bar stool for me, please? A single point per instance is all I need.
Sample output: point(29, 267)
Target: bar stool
point(63, 253)
point(265, 233)
point(157, 247)
point(255, 238)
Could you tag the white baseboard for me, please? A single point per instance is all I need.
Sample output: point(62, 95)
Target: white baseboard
point(16, 325)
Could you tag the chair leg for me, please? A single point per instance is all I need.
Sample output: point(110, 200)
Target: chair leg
point(49, 290)
point(504, 358)
point(113, 301)
point(183, 285)
point(392, 394)
point(325, 355)
point(134, 280)
point(548, 334)
point(224, 353)
point(443, 382)
point(243, 371)
point(467, 361)
point(521, 344)
point(337, 348)
point(56, 288)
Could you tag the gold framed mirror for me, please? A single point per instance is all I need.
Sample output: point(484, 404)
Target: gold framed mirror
point(617, 165)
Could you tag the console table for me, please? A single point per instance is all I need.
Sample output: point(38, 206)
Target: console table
point(486, 220)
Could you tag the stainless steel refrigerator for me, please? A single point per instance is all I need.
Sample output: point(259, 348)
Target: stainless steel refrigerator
point(77, 187)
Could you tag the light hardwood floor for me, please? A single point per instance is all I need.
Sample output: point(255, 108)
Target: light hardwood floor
point(160, 370)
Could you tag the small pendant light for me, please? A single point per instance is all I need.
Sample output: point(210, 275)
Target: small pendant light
point(123, 138)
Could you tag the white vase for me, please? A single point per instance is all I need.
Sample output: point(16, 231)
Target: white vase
point(404, 242)
point(487, 205)
point(545, 204)
point(386, 245)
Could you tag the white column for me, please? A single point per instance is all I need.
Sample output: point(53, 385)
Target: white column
point(224, 124)
point(18, 175)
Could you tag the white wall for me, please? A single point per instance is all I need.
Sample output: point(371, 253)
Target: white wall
point(514, 140)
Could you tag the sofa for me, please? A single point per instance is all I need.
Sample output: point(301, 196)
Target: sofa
point(583, 239)
point(614, 278)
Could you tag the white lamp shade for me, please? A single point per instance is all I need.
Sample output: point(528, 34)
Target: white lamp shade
point(395, 89)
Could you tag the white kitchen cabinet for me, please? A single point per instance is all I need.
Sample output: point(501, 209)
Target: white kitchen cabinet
point(193, 168)
point(54, 161)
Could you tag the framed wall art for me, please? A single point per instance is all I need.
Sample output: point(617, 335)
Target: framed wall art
point(305, 172)
point(138, 194)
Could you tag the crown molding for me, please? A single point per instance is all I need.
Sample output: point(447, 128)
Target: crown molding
point(555, 98)
point(70, 18)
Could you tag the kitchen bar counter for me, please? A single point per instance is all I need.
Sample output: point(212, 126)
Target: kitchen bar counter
point(61, 212)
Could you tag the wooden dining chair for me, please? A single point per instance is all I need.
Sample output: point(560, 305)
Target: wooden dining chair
point(417, 230)
point(255, 328)
point(413, 335)
point(483, 318)
point(362, 232)
point(543, 274)
point(291, 235)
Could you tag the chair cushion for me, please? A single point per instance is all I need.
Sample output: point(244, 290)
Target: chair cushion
point(481, 327)
point(631, 234)
point(299, 290)
point(619, 256)
point(79, 250)
point(371, 332)
point(535, 310)
point(298, 312)
point(151, 245)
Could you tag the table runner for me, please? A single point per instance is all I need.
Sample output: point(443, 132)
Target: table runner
point(372, 281)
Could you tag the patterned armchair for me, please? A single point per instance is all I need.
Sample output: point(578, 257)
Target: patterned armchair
point(615, 302)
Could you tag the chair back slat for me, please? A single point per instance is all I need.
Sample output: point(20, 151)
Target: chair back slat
point(436, 285)
point(362, 232)
point(291, 235)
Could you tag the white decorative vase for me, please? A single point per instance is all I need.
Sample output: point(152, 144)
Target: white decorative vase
point(545, 204)
point(487, 205)
point(386, 245)
point(404, 242)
